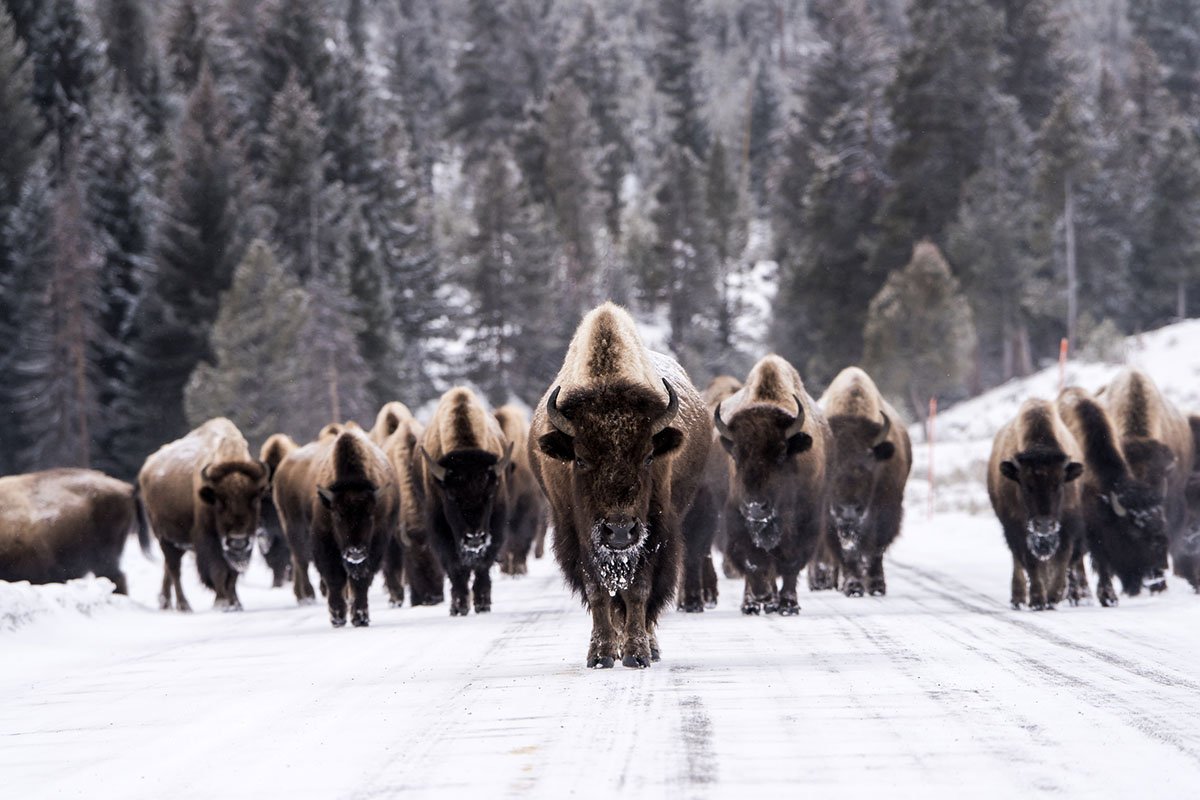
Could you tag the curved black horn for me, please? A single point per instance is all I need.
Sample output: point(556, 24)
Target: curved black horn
point(883, 434)
point(1117, 508)
point(668, 416)
point(798, 423)
point(556, 417)
point(504, 461)
point(722, 428)
point(436, 469)
point(267, 472)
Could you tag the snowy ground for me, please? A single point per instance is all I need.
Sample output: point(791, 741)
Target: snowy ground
point(936, 690)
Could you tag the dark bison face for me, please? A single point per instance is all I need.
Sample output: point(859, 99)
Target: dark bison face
point(610, 438)
point(763, 441)
point(234, 491)
point(1138, 509)
point(352, 507)
point(1042, 476)
point(469, 481)
point(863, 453)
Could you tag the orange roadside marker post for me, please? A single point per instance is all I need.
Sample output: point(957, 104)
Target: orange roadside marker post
point(1062, 364)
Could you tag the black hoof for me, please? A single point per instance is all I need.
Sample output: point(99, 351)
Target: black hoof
point(1158, 586)
point(635, 662)
point(1016, 605)
point(789, 609)
point(854, 590)
point(601, 662)
point(337, 622)
point(1108, 599)
point(458, 611)
point(692, 607)
point(751, 608)
point(655, 654)
point(361, 620)
point(480, 608)
point(878, 590)
point(770, 608)
point(710, 603)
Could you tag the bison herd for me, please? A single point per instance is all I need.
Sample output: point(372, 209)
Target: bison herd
point(640, 475)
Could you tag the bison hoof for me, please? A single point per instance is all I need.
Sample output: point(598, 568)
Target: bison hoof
point(853, 589)
point(1016, 605)
point(337, 621)
point(601, 662)
point(1108, 597)
point(306, 601)
point(655, 654)
point(878, 590)
point(710, 602)
point(458, 611)
point(395, 602)
point(227, 605)
point(636, 661)
point(483, 608)
point(692, 606)
point(751, 608)
point(1158, 586)
point(360, 619)
point(164, 602)
point(789, 608)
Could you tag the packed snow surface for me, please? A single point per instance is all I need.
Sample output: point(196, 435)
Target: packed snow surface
point(937, 690)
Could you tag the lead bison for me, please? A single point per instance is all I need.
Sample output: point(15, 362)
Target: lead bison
point(1127, 483)
point(204, 492)
point(527, 514)
point(64, 523)
point(778, 503)
point(1033, 486)
point(871, 463)
point(355, 511)
point(618, 444)
point(703, 523)
point(272, 542)
point(409, 558)
point(463, 467)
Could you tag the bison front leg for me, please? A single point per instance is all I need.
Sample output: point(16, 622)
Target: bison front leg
point(876, 584)
point(1077, 583)
point(1104, 588)
point(482, 590)
point(789, 600)
point(360, 616)
point(1019, 586)
point(635, 646)
point(822, 568)
point(393, 572)
point(603, 650)
point(460, 594)
point(335, 583)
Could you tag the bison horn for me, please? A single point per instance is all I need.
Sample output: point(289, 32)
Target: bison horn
point(436, 469)
point(1117, 508)
point(883, 434)
point(557, 418)
point(668, 416)
point(266, 471)
point(722, 428)
point(798, 423)
point(204, 473)
point(504, 461)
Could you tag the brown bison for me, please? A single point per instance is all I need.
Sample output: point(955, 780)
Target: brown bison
point(618, 444)
point(526, 504)
point(702, 525)
point(409, 557)
point(871, 463)
point(1130, 481)
point(388, 420)
point(1185, 546)
point(355, 511)
point(204, 492)
point(464, 466)
point(64, 523)
point(1033, 486)
point(778, 504)
point(271, 541)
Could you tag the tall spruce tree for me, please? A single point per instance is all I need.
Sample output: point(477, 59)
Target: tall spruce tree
point(940, 101)
point(1169, 222)
point(201, 241)
point(1032, 68)
point(133, 55)
point(677, 75)
point(1172, 28)
point(726, 227)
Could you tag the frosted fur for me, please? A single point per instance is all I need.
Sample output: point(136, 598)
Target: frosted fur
point(853, 393)
point(461, 422)
point(607, 348)
point(175, 467)
point(772, 381)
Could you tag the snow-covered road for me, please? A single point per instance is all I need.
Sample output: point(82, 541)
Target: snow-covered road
point(936, 688)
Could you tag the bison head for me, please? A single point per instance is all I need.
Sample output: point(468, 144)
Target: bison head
point(234, 490)
point(1042, 476)
point(351, 503)
point(863, 450)
point(609, 437)
point(469, 481)
point(1138, 508)
point(763, 440)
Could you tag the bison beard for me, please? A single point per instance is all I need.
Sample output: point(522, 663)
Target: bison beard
point(618, 569)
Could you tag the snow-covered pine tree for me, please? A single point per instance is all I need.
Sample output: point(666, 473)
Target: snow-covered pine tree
point(1172, 28)
point(186, 41)
point(257, 350)
point(726, 228)
point(920, 334)
point(1169, 222)
point(677, 75)
point(133, 56)
point(1032, 68)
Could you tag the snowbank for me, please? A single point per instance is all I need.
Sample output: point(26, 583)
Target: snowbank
point(22, 603)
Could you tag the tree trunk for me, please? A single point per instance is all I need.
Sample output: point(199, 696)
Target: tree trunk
point(1181, 299)
point(1072, 276)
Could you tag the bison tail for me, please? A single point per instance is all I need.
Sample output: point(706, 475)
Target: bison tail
point(143, 523)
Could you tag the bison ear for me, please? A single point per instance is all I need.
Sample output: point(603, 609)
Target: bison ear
point(557, 445)
point(1009, 470)
point(208, 494)
point(666, 440)
point(883, 451)
point(1074, 470)
point(798, 443)
point(325, 495)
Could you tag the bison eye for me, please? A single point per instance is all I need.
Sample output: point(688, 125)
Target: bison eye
point(580, 463)
point(649, 459)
